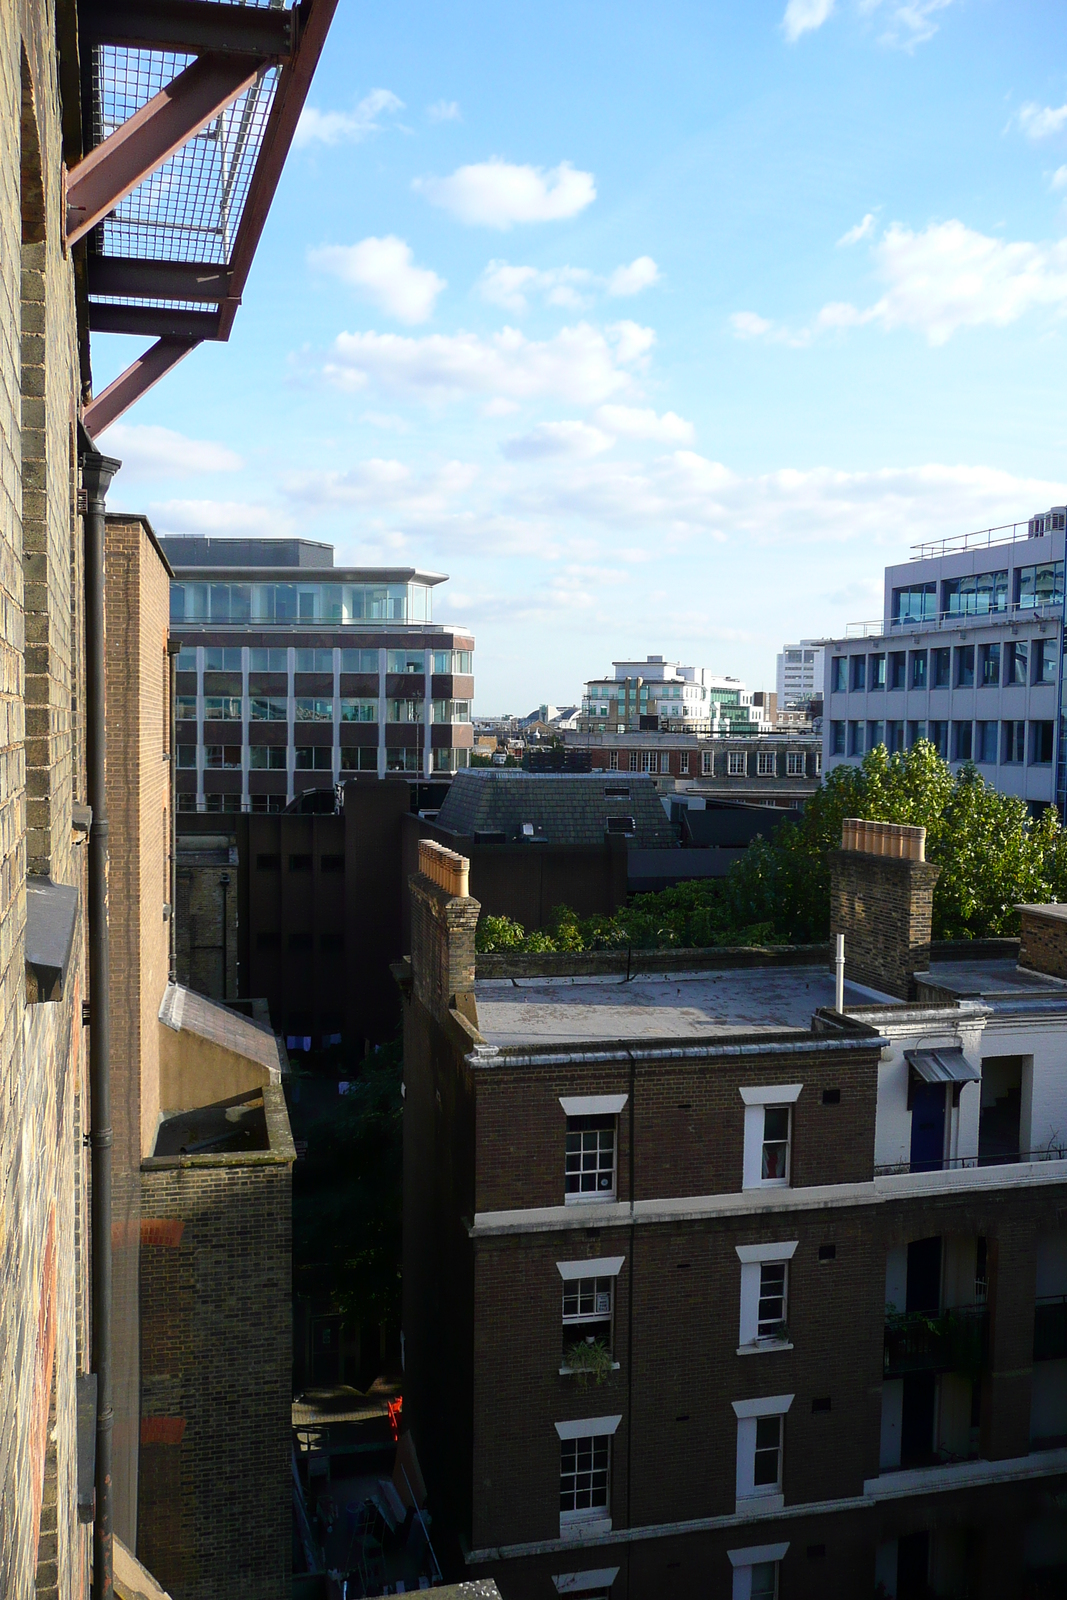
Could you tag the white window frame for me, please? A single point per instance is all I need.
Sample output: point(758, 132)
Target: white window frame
point(765, 763)
point(757, 1101)
point(613, 761)
point(600, 1579)
point(794, 763)
point(706, 762)
point(575, 1524)
point(595, 1105)
point(733, 770)
point(748, 1413)
point(743, 1561)
point(753, 1258)
point(591, 1267)
point(683, 764)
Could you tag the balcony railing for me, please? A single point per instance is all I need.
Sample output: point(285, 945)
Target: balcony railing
point(978, 539)
point(1048, 1152)
point(1050, 1328)
point(947, 1341)
point(879, 628)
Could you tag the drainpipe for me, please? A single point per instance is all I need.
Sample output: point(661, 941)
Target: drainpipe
point(173, 646)
point(224, 884)
point(839, 974)
point(97, 473)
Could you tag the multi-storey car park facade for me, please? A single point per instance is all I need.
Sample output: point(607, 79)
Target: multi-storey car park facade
point(294, 674)
point(968, 654)
point(713, 1288)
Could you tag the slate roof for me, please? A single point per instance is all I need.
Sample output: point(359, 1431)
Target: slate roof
point(564, 808)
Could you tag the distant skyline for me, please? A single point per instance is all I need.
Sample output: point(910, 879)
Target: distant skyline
point(659, 332)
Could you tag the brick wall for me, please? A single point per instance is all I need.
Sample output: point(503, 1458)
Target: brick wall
point(216, 1356)
point(884, 908)
point(1043, 944)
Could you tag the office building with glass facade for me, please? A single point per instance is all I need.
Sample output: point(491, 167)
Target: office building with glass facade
point(293, 674)
point(968, 654)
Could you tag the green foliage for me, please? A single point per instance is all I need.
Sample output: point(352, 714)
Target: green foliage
point(589, 1361)
point(347, 1195)
point(993, 856)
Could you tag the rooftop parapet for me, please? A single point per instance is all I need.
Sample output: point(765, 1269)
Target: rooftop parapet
point(897, 839)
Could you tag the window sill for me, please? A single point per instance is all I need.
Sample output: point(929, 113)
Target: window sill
point(765, 1183)
point(570, 1372)
point(760, 1347)
point(587, 1199)
point(583, 1527)
point(758, 1502)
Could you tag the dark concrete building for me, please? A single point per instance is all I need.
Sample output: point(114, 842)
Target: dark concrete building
point(714, 1288)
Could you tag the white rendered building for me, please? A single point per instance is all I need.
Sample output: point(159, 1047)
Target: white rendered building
point(800, 672)
point(683, 699)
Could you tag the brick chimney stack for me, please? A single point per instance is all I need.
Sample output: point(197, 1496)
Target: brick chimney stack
point(881, 899)
point(443, 920)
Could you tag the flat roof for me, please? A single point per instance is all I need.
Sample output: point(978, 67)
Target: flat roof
point(980, 979)
point(518, 1012)
point(309, 575)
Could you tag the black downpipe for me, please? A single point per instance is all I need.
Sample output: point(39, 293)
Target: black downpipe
point(630, 1316)
point(97, 473)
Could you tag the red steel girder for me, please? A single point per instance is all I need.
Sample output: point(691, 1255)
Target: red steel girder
point(138, 378)
point(114, 169)
point(190, 26)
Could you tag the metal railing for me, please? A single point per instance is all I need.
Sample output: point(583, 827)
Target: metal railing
point(978, 539)
point(879, 628)
point(1049, 1152)
point(1050, 1328)
point(946, 1341)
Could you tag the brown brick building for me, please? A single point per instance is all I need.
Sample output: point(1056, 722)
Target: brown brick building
point(713, 1289)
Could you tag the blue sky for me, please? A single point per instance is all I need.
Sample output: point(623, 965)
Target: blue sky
point(659, 329)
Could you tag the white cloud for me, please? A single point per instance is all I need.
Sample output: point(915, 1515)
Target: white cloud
point(580, 365)
point(345, 127)
point(909, 22)
point(635, 422)
point(444, 111)
point(145, 449)
point(387, 421)
point(802, 16)
point(497, 194)
point(215, 516)
point(384, 485)
point(640, 274)
point(862, 230)
point(384, 269)
point(556, 439)
point(571, 287)
point(1040, 122)
point(939, 280)
point(1059, 179)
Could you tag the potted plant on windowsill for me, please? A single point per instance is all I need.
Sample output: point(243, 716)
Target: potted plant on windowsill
point(588, 1361)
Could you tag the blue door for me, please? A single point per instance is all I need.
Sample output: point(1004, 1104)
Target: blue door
point(927, 1127)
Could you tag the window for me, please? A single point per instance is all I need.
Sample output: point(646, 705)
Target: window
point(222, 708)
point(186, 707)
point(794, 763)
point(765, 763)
point(683, 764)
point(818, 763)
point(404, 661)
point(268, 660)
point(735, 763)
point(584, 1472)
point(760, 1437)
point(1040, 744)
point(756, 1571)
point(613, 761)
point(941, 667)
point(707, 761)
point(876, 672)
point(361, 661)
point(223, 755)
point(364, 758)
point(587, 1311)
point(916, 731)
point(964, 666)
point(359, 710)
point(300, 863)
point(875, 734)
point(1039, 586)
point(975, 595)
point(267, 708)
point(917, 675)
point(217, 659)
point(1044, 661)
point(269, 757)
point(402, 759)
point(309, 710)
point(1016, 662)
point(590, 1163)
point(961, 741)
point(839, 675)
point(764, 1295)
point(633, 760)
point(768, 1135)
point(917, 603)
point(314, 660)
point(987, 743)
point(894, 736)
point(1013, 742)
point(989, 666)
point(856, 731)
point(187, 658)
point(451, 710)
point(939, 738)
point(313, 758)
point(187, 755)
point(624, 825)
point(898, 664)
point(859, 672)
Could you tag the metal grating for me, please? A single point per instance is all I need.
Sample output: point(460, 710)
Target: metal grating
point(190, 209)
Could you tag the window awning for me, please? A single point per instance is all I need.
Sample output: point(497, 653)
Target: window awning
point(942, 1066)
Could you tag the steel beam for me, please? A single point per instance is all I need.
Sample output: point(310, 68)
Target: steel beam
point(138, 378)
point(191, 27)
point(113, 169)
point(152, 322)
point(293, 86)
point(137, 279)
